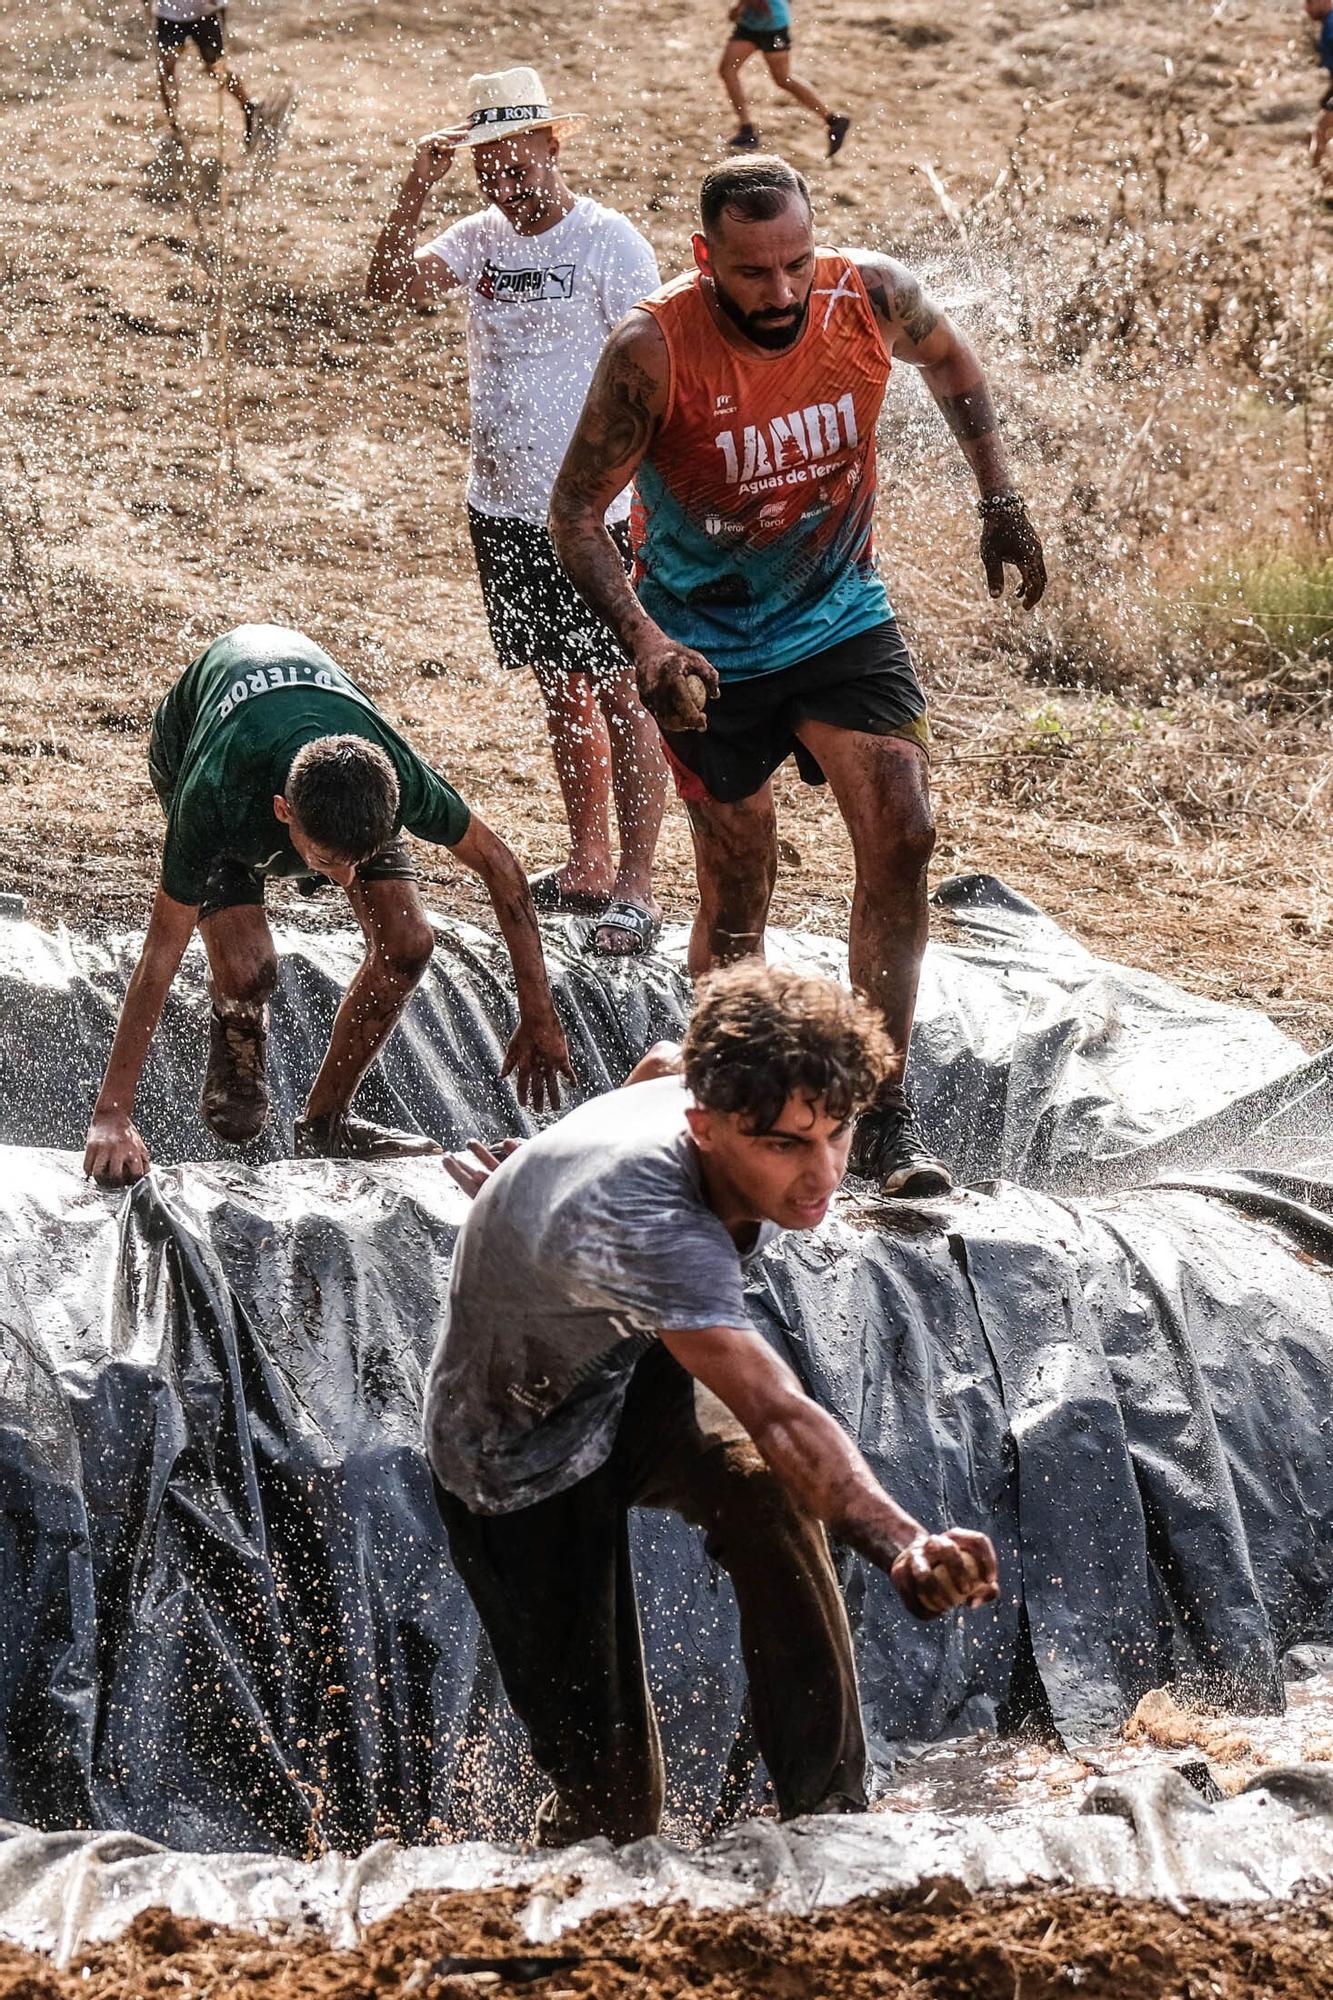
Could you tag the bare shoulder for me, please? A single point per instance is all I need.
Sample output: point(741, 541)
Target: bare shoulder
point(899, 298)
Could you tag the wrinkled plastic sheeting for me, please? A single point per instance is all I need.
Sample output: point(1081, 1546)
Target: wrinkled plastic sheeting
point(1146, 1837)
point(1032, 1059)
point(228, 1618)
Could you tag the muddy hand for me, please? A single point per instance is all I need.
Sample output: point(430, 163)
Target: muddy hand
point(675, 685)
point(537, 1058)
point(1008, 536)
point(938, 1573)
point(115, 1154)
point(473, 1173)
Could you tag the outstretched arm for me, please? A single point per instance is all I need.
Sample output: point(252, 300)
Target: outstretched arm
point(826, 1474)
point(538, 1056)
point(398, 270)
point(115, 1153)
point(626, 402)
point(915, 330)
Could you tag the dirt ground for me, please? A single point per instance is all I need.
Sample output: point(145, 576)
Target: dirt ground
point(936, 1945)
point(1164, 803)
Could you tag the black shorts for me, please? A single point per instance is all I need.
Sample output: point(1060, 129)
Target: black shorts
point(234, 883)
point(771, 40)
point(206, 36)
point(536, 616)
point(866, 684)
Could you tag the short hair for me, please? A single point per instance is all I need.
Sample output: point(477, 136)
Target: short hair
point(758, 189)
point(344, 792)
point(759, 1035)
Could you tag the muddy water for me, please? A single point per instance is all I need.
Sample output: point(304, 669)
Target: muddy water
point(1219, 1751)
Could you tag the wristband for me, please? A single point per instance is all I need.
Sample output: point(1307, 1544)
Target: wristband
point(1001, 503)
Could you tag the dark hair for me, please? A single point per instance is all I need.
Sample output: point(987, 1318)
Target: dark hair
point(759, 1035)
point(344, 792)
point(758, 189)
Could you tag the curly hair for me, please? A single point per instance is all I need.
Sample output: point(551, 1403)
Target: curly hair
point(344, 792)
point(760, 1034)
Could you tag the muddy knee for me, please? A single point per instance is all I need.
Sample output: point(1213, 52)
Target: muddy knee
point(406, 956)
point(245, 982)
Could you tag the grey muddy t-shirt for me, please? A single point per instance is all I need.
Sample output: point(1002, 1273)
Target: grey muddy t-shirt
point(593, 1239)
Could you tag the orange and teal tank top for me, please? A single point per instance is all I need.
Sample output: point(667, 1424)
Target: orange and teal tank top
point(753, 515)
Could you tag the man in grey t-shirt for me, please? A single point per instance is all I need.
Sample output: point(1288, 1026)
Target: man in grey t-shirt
point(598, 1355)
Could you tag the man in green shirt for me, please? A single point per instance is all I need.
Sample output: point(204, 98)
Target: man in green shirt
point(269, 760)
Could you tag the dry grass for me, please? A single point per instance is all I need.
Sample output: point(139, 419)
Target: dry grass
point(1135, 251)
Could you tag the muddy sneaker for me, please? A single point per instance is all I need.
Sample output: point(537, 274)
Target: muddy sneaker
point(887, 1148)
point(838, 128)
point(234, 1099)
point(336, 1135)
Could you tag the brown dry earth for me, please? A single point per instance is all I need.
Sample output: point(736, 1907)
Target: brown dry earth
point(936, 1945)
point(1179, 825)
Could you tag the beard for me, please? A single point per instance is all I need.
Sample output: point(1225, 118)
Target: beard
point(766, 329)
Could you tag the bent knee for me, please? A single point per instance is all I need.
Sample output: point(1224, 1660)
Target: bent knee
point(247, 982)
point(408, 953)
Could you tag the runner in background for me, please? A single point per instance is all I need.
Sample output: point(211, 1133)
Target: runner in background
point(1321, 12)
point(176, 22)
point(763, 27)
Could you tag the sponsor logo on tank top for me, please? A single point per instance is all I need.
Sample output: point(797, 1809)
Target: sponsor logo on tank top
point(551, 281)
point(806, 444)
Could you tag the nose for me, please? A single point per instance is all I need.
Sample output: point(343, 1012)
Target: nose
point(826, 1168)
point(344, 877)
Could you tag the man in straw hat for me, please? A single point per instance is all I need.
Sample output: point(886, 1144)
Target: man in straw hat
point(548, 273)
point(743, 400)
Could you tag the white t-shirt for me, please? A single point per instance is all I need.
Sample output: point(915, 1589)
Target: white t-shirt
point(186, 10)
point(539, 310)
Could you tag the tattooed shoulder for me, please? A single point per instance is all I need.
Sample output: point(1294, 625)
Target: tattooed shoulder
point(619, 419)
point(898, 297)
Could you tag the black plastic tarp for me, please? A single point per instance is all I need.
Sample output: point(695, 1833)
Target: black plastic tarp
point(227, 1617)
point(1031, 1058)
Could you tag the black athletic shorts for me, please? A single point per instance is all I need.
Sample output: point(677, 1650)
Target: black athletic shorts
point(233, 883)
point(771, 40)
point(536, 616)
point(866, 683)
point(206, 36)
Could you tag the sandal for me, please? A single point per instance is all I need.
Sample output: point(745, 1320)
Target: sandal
point(550, 900)
point(637, 923)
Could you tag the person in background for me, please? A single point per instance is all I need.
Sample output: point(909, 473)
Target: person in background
point(763, 27)
point(176, 22)
point(547, 273)
point(1321, 12)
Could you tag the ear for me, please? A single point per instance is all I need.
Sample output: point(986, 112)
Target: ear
point(281, 809)
point(700, 1122)
point(699, 245)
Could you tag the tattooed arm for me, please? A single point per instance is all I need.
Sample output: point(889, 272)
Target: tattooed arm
point(625, 404)
point(915, 330)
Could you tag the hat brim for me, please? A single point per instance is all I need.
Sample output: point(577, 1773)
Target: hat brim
point(491, 135)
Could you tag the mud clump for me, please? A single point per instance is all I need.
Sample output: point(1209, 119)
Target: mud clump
point(933, 1943)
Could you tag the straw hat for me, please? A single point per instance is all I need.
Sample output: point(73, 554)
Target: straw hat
point(509, 101)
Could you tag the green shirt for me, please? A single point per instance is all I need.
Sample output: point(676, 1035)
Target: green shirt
point(223, 743)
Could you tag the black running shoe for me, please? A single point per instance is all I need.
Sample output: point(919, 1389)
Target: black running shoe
point(888, 1149)
point(338, 1136)
point(744, 141)
point(235, 1100)
point(838, 128)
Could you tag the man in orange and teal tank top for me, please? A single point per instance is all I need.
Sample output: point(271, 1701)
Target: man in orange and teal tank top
point(743, 399)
